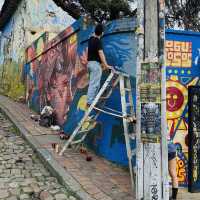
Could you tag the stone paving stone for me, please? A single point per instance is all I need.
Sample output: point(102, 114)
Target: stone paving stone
point(27, 190)
point(35, 187)
point(14, 185)
point(46, 196)
point(4, 194)
point(15, 191)
point(72, 198)
point(61, 197)
point(24, 197)
point(12, 198)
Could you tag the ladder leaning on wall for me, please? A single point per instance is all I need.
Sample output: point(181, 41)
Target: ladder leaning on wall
point(114, 79)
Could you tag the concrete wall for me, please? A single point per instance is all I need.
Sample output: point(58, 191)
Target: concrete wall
point(59, 76)
point(31, 19)
point(183, 64)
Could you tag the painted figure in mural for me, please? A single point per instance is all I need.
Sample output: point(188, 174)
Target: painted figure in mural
point(96, 62)
point(63, 73)
point(60, 88)
point(172, 168)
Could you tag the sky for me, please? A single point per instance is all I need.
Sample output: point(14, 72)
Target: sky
point(133, 5)
point(1, 3)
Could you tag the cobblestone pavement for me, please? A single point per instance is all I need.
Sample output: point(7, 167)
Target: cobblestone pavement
point(22, 175)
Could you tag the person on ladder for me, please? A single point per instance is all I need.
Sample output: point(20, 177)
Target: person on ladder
point(96, 63)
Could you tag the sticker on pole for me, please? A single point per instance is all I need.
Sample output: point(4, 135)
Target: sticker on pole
point(150, 97)
point(151, 122)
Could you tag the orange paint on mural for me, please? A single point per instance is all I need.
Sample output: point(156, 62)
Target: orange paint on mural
point(178, 54)
point(181, 173)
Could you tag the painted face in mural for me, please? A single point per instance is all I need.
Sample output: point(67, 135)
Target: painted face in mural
point(68, 74)
point(59, 87)
point(175, 99)
point(80, 71)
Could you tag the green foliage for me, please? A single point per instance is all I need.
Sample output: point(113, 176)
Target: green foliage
point(99, 10)
point(183, 14)
point(112, 8)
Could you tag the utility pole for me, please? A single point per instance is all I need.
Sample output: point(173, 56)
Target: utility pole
point(152, 154)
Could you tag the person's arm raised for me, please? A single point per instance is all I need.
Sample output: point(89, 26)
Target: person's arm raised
point(103, 60)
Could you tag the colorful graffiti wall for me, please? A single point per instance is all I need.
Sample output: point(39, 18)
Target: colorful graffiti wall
point(31, 19)
point(59, 77)
point(183, 70)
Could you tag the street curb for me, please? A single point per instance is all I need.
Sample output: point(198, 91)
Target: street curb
point(50, 163)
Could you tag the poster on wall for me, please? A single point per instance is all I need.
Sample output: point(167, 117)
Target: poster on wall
point(150, 95)
point(194, 139)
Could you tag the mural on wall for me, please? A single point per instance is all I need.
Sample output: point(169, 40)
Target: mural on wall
point(31, 19)
point(181, 73)
point(59, 78)
point(33, 59)
point(10, 67)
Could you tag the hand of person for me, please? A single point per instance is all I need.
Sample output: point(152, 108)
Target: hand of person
point(111, 68)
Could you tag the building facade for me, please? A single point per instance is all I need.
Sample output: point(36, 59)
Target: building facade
point(21, 23)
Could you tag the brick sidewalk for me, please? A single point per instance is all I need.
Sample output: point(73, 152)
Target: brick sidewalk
point(98, 180)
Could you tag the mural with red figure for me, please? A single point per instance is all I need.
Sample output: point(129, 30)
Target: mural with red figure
point(62, 82)
point(57, 74)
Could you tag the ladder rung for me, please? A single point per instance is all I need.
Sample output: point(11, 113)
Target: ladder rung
point(132, 136)
point(108, 112)
point(127, 89)
point(85, 131)
point(133, 152)
point(130, 118)
point(102, 97)
point(129, 105)
point(91, 120)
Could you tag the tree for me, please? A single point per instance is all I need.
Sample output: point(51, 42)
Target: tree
point(184, 14)
point(99, 10)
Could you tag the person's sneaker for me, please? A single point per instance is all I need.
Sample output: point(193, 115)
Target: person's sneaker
point(88, 105)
